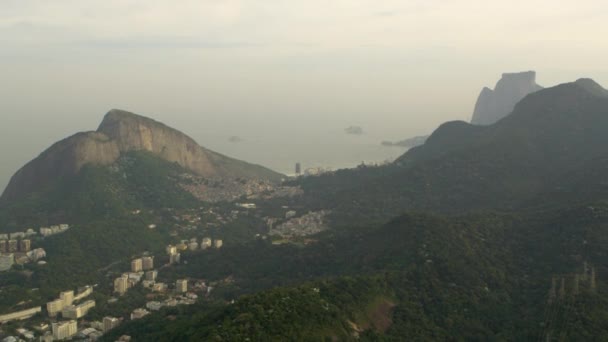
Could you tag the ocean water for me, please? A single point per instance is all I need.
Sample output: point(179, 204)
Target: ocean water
point(330, 153)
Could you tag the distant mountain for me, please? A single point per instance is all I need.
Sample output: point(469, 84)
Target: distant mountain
point(493, 105)
point(121, 132)
point(409, 143)
point(549, 140)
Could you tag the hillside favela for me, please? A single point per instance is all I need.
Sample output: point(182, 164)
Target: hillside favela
point(240, 170)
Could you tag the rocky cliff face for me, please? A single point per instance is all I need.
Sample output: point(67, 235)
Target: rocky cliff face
point(493, 105)
point(122, 132)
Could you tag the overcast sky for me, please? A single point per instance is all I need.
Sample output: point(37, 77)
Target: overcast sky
point(276, 69)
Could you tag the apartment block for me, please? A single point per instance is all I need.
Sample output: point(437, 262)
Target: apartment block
point(110, 323)
point(181, 285)
point(12, 246)
point(6, 262)
point(147, 263)
point(77, 311)
point(151, 275)
point(121, 284)
point(67, 297)
point(64, 330)
point(54, 307)
point(25, 245)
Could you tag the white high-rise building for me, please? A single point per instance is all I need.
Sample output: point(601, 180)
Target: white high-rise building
point(137, 265)
point(64, 330)
point(121, 284)
point(54, 307)
point(147, 263)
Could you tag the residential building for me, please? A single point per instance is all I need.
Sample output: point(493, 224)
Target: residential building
point(147, 263)
point(134, 278)
point(77, 311)
point(121, 284)
point(193, 246)
point(159, 287)
point(67, 297)
point(45, 231)
point(174, 258)
point(181, 285)
point(171, 250)
point(3, 246)
point(206, 243)
point(54, 307)
point(17, 235)
point(139, 313)
point(25, 245)
point(110, 323)
point(218, 243)
point(6, 262)
point(98, 325)
point(137, 265)
point(151, 275)
point(3, 236)
point(64, 330)
point(36, 254)
point(12, 246)
point(83, 292)
point(20, 315)
point(154, 306)
point(30, 232)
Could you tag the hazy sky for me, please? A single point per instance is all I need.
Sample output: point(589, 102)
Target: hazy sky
point(273, 70)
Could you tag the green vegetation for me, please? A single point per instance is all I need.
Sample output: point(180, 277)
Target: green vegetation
point(469, 237)
point(484, 276)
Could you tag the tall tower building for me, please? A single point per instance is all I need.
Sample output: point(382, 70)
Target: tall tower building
point(121, 285)
point(12, 246)
point(64, 330)
point(298, 169)
point(54, 307)
point(25, 245)
point(147, 263)
point(137, 265)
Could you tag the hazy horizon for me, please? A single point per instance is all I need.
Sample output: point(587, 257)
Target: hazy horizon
point(284, 76)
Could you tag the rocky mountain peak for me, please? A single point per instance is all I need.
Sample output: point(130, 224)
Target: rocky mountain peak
point(121, 132)
point(493, 105)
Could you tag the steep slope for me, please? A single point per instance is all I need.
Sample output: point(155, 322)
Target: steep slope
point(493, 105)
point(121, 132)
point(476, 277)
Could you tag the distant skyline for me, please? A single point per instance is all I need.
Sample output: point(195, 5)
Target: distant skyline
point(275, 71)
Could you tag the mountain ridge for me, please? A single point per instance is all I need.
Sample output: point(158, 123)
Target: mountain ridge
point(121, 132)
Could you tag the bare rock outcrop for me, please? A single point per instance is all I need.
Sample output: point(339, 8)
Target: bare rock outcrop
point(493, 105)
